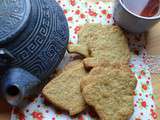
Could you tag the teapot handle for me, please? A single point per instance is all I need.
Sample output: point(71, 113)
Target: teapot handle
point(5, 59)
point(5, 56)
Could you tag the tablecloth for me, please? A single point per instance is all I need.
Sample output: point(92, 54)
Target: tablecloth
point(78, 13)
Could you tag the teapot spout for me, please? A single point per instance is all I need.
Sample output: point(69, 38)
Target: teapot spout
point(18, 84)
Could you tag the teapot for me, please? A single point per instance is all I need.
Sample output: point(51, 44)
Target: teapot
point(33, 40)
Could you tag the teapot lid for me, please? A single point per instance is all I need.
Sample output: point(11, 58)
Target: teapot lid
point(14, 15)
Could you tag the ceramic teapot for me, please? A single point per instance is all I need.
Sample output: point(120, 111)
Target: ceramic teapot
point(33, 39)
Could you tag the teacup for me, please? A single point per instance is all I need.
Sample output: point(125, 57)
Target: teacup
point(132, 21)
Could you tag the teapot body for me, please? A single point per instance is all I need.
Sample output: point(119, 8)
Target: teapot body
point(33, 40)
point(40, 44)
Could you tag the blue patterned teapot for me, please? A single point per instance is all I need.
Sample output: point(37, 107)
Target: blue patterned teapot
point(33, 39)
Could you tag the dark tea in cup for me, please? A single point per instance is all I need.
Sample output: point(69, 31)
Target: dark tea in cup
point(145, 8)
point(137, 16)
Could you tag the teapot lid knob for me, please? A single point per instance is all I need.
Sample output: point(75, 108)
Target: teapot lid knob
point(14, 15)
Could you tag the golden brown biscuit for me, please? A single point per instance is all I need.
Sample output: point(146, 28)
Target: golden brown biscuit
point(106, 44)
point(64, 90)
point(110, 92)
point(108, 86)
point(91, 77)
point(72, 64)
point(77, 48)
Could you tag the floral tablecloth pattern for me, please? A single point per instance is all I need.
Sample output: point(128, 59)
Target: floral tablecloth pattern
point(78, 13)
point(153, 63)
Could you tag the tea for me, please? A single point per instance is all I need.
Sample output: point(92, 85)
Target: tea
point(145, 8)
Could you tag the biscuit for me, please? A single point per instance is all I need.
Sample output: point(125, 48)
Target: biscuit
point(104, 83)
point(64, 90)
point(104, 71)
point(77, 48)
point(106, 44)
point(72, 64)
point(91, 77)
point(110, 92)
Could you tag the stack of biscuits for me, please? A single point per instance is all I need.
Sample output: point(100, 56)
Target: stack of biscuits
point(101, 80)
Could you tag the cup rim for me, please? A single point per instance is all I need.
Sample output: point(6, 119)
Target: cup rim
point(138, 16)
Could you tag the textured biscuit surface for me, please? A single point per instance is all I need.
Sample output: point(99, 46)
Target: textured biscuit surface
point(77, 48)
point(64, 90)
point(107, 86)
point(110, 92)
point(105, 44)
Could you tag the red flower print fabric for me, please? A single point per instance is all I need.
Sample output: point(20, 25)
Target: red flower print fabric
point(78, 13)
